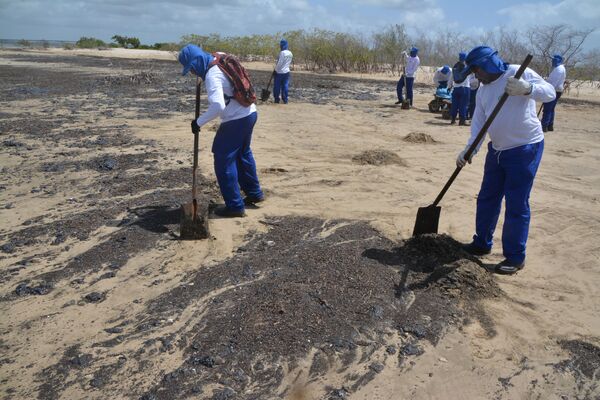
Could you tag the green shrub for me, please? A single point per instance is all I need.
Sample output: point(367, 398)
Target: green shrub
point(24, 43)
point(89, 43)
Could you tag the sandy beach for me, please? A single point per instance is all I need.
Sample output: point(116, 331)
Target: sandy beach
point(319, 292)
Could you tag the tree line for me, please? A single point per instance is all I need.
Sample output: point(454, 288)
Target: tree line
point(328, 51)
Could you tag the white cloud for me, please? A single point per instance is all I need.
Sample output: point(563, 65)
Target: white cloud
point(577, 13)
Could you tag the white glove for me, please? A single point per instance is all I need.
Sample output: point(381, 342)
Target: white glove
point(460, 160)
point(518, 87)
point(405, 53)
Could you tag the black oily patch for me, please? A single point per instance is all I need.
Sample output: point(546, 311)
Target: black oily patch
point(585, 359)
point(335, 286)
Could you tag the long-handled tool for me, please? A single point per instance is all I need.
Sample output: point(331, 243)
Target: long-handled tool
point(405, 103)
point(265, 94)
point(194, 216)
point(428, 218)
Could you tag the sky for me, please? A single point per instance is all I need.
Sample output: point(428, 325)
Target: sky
point(155, 21)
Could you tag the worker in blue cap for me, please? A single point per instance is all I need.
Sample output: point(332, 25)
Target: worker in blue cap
point(557, 79)
point(513, 156)
point(282, 73)
point(411, 62)
point(234, 163)
point(443, 77)
point(461, 91)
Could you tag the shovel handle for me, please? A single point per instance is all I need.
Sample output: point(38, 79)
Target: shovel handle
point(270, 79)
point(482, 131)
point(196, 137)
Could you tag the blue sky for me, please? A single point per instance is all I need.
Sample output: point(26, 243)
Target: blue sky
point(164, 21)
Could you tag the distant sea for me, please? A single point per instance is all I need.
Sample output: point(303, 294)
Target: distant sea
point(13, 43)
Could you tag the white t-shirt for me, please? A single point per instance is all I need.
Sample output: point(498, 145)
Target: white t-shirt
point(283, 62)
point(557, 78)
point(516, 124)
point(439, 76)
point(217, 84)
point(412, 64)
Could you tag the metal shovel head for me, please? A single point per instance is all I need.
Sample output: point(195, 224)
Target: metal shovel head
point(194, 221)
point(405, 105)
point(428, 219)
point(265, 94)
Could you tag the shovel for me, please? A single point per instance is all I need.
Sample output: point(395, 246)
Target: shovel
point(428, 218)
point(265, 94)
point(194, 217)
point(405, 103)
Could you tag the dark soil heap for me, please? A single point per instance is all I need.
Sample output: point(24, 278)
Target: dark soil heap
point(296, 289)
point(378, 157)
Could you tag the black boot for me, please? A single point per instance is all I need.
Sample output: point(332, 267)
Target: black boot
point(453, 121)
point(544, 128)
point(226, 212)
point(551, 128)
point(462, 122)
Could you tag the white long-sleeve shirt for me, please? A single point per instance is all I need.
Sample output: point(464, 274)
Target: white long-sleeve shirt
point(217, 84)
point(474, 84)
point(557, 78)
point(412, 64)
point(283, 62)
point(516, 124)
point(439, 76)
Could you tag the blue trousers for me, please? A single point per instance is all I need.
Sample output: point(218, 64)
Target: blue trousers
point(442, 84)
point(507, 174)
point(409, 89)
point(548, 111)
point(460, 102)
point(234, 163)
point(472, 99)
point(280, 87)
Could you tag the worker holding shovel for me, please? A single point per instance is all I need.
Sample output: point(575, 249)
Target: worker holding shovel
point(411, 63)
point(282, 73)
point(514, 153)
point(234, 163)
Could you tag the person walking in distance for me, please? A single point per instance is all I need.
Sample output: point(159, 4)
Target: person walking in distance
point(557, 79)
point(282, 73)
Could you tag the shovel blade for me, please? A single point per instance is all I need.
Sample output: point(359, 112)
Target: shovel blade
point(265, 94)
point(194, 221)
point(428, 219)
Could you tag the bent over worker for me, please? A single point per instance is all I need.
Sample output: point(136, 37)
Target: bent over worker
point(411, 62)
point(443, 77)
point(557, 79)
point(513, 156)
point(234, 163)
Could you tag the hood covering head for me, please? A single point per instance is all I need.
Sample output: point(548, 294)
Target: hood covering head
point(414, 51)
point(462, 56)
point(194, 58)
point(445, 69)
point(283, 45)
point(486, 58)
point(556, 60)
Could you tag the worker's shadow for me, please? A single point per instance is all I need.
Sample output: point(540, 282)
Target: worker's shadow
point(157, 219)
point(438, 122)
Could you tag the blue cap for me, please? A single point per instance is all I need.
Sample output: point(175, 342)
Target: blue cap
point(283, 44)
point(414, 51)
point(485, 58)
point(194, 58)
point(445, 69)
point(462, 56)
